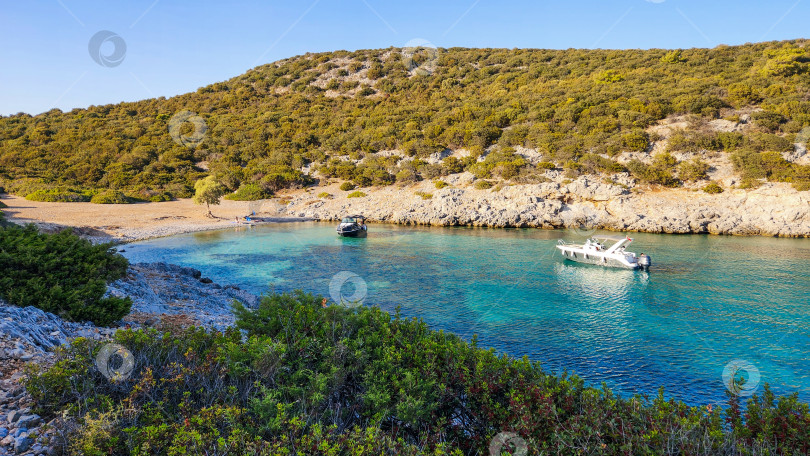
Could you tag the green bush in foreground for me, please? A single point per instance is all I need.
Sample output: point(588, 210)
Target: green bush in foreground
point(305, 379)
point(59, 196)
point(60, 273)
point(111, 197)
point(347, 186)
point(482, 184)
point(249, 192)
point(713, 188)
point(357, 194)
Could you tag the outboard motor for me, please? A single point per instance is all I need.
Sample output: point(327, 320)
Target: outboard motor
point(644, 261)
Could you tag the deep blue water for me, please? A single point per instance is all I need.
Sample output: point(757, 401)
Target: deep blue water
point(706, 301)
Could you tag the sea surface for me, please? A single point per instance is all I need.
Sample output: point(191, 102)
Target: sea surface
point(709, 305)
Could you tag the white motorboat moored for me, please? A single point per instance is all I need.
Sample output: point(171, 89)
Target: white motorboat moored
point(593, 251)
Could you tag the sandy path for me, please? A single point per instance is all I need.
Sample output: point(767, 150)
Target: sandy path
point(127, 222)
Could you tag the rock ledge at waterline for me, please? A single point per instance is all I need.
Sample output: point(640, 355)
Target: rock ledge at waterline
point(586, 203)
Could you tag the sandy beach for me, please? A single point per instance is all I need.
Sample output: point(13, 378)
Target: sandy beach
point(130, 222)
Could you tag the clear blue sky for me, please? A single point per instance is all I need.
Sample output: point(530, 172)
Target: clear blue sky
point(176, 46)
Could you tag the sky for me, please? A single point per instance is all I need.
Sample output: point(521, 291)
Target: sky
point(72, 54)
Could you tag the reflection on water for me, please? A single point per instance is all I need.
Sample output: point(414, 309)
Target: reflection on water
point(706, 301)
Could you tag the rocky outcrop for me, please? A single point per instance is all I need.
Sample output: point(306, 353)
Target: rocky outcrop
point(32, 328)
point(161, 289)
point(28, 334)
point(585, 203)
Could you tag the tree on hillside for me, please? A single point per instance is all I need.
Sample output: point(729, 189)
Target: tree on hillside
point(208, 191)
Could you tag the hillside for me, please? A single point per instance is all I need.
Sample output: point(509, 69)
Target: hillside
point(732, 114)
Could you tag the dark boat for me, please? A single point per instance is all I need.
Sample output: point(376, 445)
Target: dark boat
point(353, 226)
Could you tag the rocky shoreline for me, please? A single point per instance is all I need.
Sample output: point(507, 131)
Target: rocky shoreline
point(584, 204)
point(162, 295)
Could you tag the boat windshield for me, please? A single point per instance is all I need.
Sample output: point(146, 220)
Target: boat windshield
point(349, 220)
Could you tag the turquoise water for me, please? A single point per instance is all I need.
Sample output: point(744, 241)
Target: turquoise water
point(706, 301)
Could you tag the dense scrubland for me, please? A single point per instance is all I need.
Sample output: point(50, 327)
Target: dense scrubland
point(60, 273)
point(330, 115)
point(307, 378)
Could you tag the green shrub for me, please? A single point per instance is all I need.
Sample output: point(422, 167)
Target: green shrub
point(769, 121)
point(325, 195)
point(673, 56)
point(111, 197)
point(546, 165)
point(402, 388)
point(347, 186)
point(482, 184)
point(60, 273)
point(637, 141)
point(503, 162)
point(357, 194)
point(248, 192)
point(713, 188)
point(424, 195)
point(693, 170)
point(407, 175)
point(440, 184)
point(452, 165)
point(160, 197)
point(802, 186)
point(59, 196)
point(770, 165)
point(180, 190)
point(596, 164)
point(366, 91)
point(659, 172)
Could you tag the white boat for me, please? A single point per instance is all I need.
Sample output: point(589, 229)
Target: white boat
point(594, 251)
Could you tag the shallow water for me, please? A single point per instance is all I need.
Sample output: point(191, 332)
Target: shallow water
point(707, 300)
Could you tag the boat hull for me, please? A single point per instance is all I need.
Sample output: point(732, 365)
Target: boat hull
point(353, 233)
point(596, 259)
